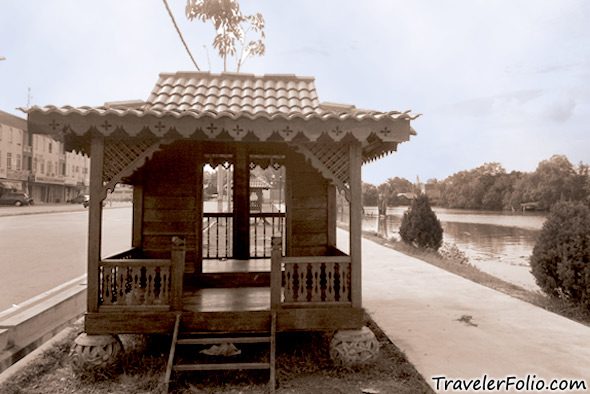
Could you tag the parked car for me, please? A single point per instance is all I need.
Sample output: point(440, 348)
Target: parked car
point(86, 202)
point(80, 199)
point(15, 198)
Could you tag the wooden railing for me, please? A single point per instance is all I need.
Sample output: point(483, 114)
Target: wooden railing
point(309, 281)
point(264, 226)
point(130, 283)
point(217, 235)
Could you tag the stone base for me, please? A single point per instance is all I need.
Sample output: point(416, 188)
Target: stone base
point(95, 352)
point(353, 347)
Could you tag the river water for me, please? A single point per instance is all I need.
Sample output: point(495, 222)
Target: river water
point(498, 243)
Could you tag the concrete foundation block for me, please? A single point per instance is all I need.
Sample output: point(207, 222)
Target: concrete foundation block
point(90, 352)
point(354, 347)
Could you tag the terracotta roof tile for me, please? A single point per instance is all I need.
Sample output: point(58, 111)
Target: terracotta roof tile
point(189, 101)
point(268, 94)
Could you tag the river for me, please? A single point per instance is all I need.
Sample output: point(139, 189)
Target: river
point(498, 243)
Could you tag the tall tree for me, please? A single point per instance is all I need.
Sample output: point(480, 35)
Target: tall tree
point(231, 26)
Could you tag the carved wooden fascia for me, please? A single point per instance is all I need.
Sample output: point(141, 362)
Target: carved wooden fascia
point(123, 157)
point(331, 160)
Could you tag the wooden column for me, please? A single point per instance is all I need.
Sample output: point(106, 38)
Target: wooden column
point(177, 272)
point(276, 274)
point(199, 215)
point(137, 216)
point(355, 157)
point(332, 216)
point(94, 221)
point(241, 204)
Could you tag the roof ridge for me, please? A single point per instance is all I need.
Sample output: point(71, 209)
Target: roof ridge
point(236, 75)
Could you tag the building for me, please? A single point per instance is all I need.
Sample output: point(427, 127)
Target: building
point(77, 175)
point(193, 271)
point(38, 164)
point(15, 153)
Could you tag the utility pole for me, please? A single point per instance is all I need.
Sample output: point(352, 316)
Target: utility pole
point(29, 97)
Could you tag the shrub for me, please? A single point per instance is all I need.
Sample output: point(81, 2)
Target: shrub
point(561, 257)
point(452, 252)
point(420, 226)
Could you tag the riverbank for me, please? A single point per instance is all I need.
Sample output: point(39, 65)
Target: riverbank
point(498, 243)
point(474, 274)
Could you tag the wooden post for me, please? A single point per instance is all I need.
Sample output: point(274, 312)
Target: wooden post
point(177, 273)
point(289, 173)
point(241, 204)
point(355, 157)
point(137, 216)
point(94, 221)
point(199, 216)
point(276, 274)
point(331, 217)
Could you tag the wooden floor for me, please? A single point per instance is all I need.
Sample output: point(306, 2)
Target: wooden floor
point(233, 265)
point(240, 299)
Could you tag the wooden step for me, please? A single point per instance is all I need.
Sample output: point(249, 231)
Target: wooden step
point(220, 367)
point(213, 341)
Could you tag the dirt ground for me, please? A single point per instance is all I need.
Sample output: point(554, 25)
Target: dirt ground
point(303, 366)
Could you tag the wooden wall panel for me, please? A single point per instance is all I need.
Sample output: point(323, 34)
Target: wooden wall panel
point(171, 205)
point(308, 209)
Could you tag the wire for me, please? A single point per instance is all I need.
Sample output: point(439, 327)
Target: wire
point(180, 35)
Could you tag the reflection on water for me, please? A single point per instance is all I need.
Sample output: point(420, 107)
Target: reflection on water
point(511, 245)
point(498, 243)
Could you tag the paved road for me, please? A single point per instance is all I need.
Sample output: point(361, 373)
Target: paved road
point(41, 251)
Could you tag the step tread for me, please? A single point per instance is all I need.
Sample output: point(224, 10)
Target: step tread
point(213, 341)
point(220, 367)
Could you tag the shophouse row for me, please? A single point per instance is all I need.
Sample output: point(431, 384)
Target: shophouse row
point(38, 164)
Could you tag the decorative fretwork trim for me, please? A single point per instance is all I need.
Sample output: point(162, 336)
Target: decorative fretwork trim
point(123, 157)
point(332, 160)
point(265, 161)
point(225, 160)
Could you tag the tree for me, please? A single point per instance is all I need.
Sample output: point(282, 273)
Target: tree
point(561, 257)
point(392, 187)
point(420, 226)
point(230, 25)
point(370, 195)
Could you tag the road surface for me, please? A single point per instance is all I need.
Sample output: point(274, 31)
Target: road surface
point(42, 251)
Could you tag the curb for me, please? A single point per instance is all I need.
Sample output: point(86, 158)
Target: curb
point(6, 211)
point(17, 367)
point(25, 330)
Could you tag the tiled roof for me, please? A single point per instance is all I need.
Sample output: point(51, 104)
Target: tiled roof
point(234, 93)
point(230, 106)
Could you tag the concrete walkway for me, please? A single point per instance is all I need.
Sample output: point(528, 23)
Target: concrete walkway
point(449, 326)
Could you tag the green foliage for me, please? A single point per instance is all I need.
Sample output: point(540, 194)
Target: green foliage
point(388, 190)
point(370, 195)
point(561, 257)
point(230, 25)
point(420, 226)
point(490, 187)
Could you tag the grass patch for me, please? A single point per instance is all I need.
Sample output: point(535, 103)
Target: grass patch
point(559, 306)
point(303, 367)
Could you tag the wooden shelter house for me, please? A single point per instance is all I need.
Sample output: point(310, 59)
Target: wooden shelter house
point(161, 147)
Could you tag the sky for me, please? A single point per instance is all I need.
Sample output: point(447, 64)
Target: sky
point(503, 81)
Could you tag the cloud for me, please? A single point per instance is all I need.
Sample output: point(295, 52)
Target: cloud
point(484, 106)
point(561, 111)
